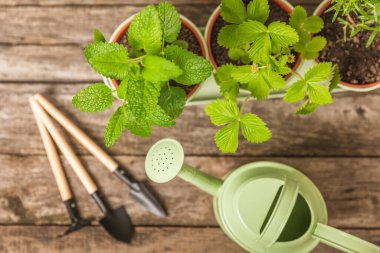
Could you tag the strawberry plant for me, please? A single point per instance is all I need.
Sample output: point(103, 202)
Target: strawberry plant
point(265, 51)
point(153, 59)
point(358, 15)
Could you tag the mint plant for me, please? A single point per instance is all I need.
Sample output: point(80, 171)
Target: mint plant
point(357, 16)
point(264, 52)
point(154, 58)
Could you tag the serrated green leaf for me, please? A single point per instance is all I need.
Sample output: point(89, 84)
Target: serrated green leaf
point(170, 21)
point(228, 86)
point(122, 89)
point(259, 88)
point(298, 17)
point(249, 31)
point(108, 59)
point(335, 79)
point(158, 69)
point(258, 10)
point(181, 43)
point(195, 68)
point(172, 100)
point(228, 36)
point(311, 49)
point(261, 49)
point(227, 138)
point(296, 92)
point(282, 35)
point(138, 126)
point(115, 126)
point(254, 128)
point(273, 80)
point(319, 94)
point(222, 111)
point(98, 36)
point(233, 11)
point(307, 108)
point(145, 31)
point(244, 74)
point(160, 118)
point(142, 97)
point(313, 24)
point(95, 98)
point(319, 73)
point(236, 54)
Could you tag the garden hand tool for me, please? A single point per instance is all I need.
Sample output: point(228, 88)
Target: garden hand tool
point(63, 186)
point(139, 191)
point(115, 221)
point(262, 206)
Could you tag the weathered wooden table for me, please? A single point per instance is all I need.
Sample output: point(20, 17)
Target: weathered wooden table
point(41, 50)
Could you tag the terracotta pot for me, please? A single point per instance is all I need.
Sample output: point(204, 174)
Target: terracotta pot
point(123, 28)
point(285, 5)
point(348, 86)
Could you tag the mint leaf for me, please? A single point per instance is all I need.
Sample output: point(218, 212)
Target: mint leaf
point(227, 138)
point(335, 79)
point(98, 36)
point(228, 36)
point(319, 94)
point(95, 98)
point(296, 92)
point(115, 126)
point(195, 68)
point(122, 89)
point(228, 86)
point(141, 126)
point(233, 11)
point(258, 10)
point(282, 35)
point(170, 21)
point(158, 69)
point(298, 17)
point(244, 74)
point(254, 129)
point(319, 73)
point(108, 59)
point(160, 118)
point(142, 97)
point(313, 24)
point(222, 112)
point(307, 108)
point(145, 31)
point(172, 100)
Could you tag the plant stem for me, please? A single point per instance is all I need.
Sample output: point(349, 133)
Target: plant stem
point(297, 75)
point(136, 60)
point(244, 104)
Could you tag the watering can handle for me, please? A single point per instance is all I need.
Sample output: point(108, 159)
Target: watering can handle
point(280, 214)
point(343, 241)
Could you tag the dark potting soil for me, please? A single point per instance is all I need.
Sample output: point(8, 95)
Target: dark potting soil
point(220, 54)
point(185, 34)
point(357, 64)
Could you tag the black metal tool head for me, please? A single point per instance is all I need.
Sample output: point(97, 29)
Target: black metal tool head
point(118, 224)
point(76, 221)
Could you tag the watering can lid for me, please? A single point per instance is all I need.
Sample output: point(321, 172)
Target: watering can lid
point(256, 205)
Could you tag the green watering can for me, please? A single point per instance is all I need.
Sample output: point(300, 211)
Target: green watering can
point(262, 206)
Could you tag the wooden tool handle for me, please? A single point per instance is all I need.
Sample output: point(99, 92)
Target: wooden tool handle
point(67, 151)
point(55, 162)
point(78, 134)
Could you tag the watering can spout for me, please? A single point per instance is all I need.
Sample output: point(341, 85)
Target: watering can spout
point(203, 181)
point(165, 161)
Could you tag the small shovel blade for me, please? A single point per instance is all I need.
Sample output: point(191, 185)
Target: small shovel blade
point(118, 224)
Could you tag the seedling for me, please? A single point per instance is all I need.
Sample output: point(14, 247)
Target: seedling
point(265, 52)
point(358, 15)
point(154, 58)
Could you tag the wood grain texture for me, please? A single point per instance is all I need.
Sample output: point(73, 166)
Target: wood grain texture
point(349, 127)
point(28, 194)
point(147, 240)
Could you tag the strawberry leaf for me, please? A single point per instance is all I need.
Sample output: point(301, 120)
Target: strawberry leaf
point(233, 11)
point(228, 86)
point(254, 129)
point(227, 138)
point(222, 112)
point(258, 10)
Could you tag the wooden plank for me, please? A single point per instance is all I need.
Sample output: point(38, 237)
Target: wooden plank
point(28, 194)
point(125, 2)
point(349, 127)
point(73, 24)
point(147, 240)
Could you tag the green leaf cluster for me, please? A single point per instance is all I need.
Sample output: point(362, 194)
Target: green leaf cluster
point(264, 52)
point(154, 57)
point(357, 16)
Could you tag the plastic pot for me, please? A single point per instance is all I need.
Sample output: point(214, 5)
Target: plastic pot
point(123, 28)
point(344, 85)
